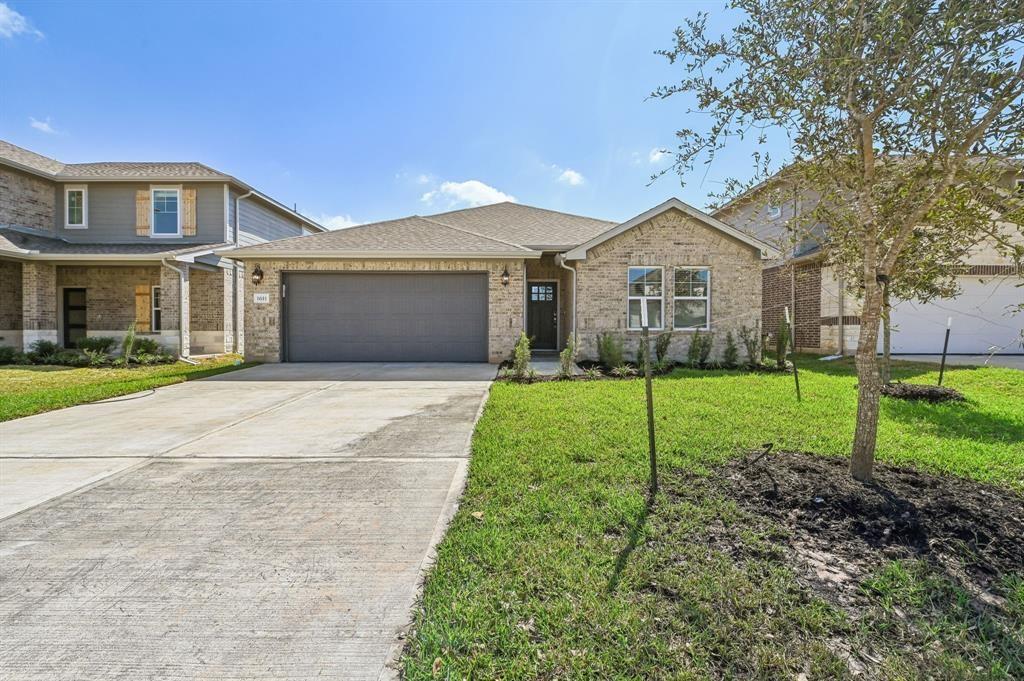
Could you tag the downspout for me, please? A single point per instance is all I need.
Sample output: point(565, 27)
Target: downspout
point(181, 312)
point(560, 259)
point(236, 322)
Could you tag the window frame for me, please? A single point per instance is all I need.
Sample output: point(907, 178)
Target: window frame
point(155, 326)
point(68, 188)
point(153, 189)
point(706, 298)
point(660, 299)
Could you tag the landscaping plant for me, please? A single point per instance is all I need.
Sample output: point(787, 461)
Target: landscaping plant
point(781, 344)
point(42, 351)
point(148, 346)
point(128, 343)
point(102, 344)
point(567, 359)
point(609, 350)
point(623, 371)
point(730, 355)
point(903, 120)
point(661, 344)
point(11, 355)
point(521, 358)
point(750, 341)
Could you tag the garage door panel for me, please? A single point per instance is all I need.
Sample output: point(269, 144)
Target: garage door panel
point(362, 316)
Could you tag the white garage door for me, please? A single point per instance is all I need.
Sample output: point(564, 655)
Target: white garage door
point(981, 314)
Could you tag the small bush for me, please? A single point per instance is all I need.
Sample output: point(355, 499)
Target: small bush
point(609, 351)
point(592, 372)
point(147, 346)
point(521, 357)
point(128, 342)
point(147, 358)
point(102, 344)
point(751, 343)
point(731, 355)
point(699, 352)
point(661, 346)
point(11, 355)
point(69, 358)
point(641, 354)
point(44, 349)
point(623, 371)
point(96, 358)
point(567, 359)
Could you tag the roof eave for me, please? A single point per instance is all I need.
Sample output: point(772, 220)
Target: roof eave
point(241, 254)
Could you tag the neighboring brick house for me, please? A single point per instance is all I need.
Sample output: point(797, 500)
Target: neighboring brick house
point(826, 312)
point(86, 249)
point(462, 285)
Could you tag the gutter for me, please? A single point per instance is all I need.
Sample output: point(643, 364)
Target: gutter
point(271, 254)
point(236, 323)
point(181, 309)
point(560, 261)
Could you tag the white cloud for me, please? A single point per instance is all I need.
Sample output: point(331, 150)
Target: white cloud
point(12, 24)
point(469, 193)
point(422, 179)
point(571, 178)
point(42, 126)
point(656, 155)
point(336, 221)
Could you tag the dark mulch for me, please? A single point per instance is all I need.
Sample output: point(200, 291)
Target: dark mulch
point(916, 391)
point(841, 530)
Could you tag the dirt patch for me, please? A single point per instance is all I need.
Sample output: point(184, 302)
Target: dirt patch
point(840, 530)
point(926, 393)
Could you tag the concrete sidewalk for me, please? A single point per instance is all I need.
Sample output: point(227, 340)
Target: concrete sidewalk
point(270, 523)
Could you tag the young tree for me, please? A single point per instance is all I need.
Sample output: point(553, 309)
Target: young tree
point(905, 119)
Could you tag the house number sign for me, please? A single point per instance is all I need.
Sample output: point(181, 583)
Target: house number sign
point(260, 298)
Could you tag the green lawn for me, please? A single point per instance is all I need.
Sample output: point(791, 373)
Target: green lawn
point(26, 390)
point(555, 567)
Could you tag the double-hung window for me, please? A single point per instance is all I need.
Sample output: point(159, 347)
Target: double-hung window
point(155, 301)
point(76, 206)
point(166, 211)
point(645, 288)
point(691, 300)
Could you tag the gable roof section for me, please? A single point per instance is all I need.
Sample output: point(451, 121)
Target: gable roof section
point(766, 251)
point(411, 237)
point(536, 228)
point(24, 245)
point(133, 171)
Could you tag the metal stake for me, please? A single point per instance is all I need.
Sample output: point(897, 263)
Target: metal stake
point(792, 345)
point(945, 347)
point(645, 338)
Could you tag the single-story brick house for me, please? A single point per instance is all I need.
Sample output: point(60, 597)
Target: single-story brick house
point(462, 285)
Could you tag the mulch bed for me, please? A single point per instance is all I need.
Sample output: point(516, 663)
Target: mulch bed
point(839, 530)
point(916, 391)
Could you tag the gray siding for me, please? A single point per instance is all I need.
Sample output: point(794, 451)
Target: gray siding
point(112, 213)
point(260, 223)
point(232, 196)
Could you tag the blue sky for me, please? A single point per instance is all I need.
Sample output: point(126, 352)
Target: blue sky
point(363, 112)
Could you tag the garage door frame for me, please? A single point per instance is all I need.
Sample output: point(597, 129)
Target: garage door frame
point(286, 274)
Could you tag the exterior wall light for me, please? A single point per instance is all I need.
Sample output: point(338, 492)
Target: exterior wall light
point(257, 276)
point(505, 276)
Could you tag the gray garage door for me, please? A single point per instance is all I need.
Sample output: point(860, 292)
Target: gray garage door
point(385, 317)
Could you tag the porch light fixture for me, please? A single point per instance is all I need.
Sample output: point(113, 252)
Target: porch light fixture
point(257, 275)
point(505, 276)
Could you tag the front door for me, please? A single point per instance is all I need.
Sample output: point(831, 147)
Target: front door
point(74, 316)
point(542, 315)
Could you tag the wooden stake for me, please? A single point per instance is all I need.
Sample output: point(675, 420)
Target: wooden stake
point(645, 338)
point(792, 345)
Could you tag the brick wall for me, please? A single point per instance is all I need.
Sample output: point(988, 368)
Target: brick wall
point(505, 303)
point(778, 284)
point(110, 292)
point(39, 296)
point(775, 296)
point(10, 295)
point(26, 200)
point(206, 311)
point(672, 239)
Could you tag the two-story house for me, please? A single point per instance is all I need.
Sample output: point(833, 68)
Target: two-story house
point(985, 317)
point(86, 249)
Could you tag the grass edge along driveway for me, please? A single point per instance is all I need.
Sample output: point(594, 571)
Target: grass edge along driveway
point(555, 567)
point(27, 390)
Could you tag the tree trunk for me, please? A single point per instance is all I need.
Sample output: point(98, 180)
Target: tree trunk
point(886, 369)
point(862, 456)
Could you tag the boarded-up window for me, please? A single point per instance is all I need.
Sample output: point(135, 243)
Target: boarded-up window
point(143, 308)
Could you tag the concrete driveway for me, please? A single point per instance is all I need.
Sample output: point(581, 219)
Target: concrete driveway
point(269, 523)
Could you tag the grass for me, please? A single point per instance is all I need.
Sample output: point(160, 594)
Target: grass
point(557, 566)
point(27, 390)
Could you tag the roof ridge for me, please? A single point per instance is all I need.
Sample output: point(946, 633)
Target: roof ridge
point(526, 205)
point(466, 231)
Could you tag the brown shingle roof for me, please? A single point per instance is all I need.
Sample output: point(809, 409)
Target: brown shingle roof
point(187, 170)
point(528, 226)
point(29, 159)
point(16, 243)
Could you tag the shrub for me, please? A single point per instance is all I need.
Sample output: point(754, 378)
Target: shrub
point(609, 350)
point(11, 355)
point(699, 352)
point(750, 342)
point(148, 346)
point(592, 372)
point(781, 341)
point(521, 357)
point(731, 355)
point(43, 349)
point(623, 371)
point(661, 346)
point(128, 342)
point(641, 354)
point(567, 359)
point(101, 344)
point(69, 358)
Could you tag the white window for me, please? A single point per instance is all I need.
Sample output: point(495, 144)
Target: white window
point(645, 288)
point(773, 212)
point(691, 299)
point(155, 300)
point(166, 211)
point(76, 206)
